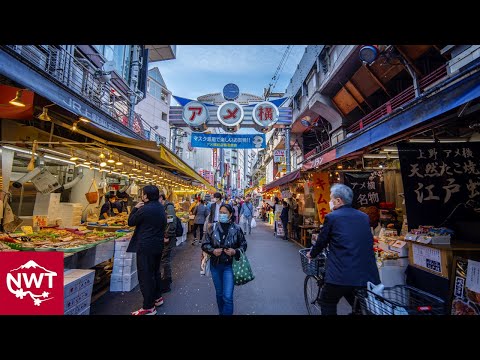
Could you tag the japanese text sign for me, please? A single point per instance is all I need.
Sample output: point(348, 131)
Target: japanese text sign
point(367, 188)
point(229, 141)
point(438, 178)
point(321, 190)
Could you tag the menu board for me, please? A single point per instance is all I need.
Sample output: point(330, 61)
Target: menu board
point(466, 287)
point(427, 257)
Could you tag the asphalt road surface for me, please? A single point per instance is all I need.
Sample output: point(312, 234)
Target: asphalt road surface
point(276, 290)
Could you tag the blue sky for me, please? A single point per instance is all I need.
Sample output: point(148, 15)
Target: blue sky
point(203, 69)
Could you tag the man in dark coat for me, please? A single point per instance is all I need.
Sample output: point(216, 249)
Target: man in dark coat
point(149, 219)
point(351, 260)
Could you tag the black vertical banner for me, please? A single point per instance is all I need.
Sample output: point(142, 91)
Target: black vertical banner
point(368, 189)
point(438, 177)
point(368, 192)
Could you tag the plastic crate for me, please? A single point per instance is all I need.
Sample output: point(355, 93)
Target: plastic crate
point(313, 267)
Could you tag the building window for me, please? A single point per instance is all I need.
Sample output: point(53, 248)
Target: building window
point(179, 152)
point(164, 117)
point(121, 55)
point(164, 96)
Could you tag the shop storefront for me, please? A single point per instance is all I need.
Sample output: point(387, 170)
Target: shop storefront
point(58, 177)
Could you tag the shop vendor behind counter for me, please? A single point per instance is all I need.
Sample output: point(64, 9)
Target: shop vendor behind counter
point(109, 208)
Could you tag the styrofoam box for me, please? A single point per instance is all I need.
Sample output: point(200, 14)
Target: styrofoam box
point(85, 277)
point(77, 298)
point(123, 255)
point(396, 262)
point(70, 286)
point(106, 246)
point(86, 311)
point(123, 283)
point(79, 308)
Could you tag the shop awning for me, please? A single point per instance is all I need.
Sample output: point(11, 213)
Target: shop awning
point(172, 159)
point(146, 150)
point(283, 180)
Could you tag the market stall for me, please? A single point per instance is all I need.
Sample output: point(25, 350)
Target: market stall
point(54, 188)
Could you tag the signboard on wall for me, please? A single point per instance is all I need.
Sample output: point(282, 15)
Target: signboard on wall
point(230, 141)
point(439, 178)
point(279, 156)
point(215, 158)
point(321, 189)
point(368, 192)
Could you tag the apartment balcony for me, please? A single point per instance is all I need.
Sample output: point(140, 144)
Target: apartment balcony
point(398, 101)
point(76, 74)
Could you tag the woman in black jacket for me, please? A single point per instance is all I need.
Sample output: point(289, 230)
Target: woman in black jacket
point(222, 242)
point(284, 218)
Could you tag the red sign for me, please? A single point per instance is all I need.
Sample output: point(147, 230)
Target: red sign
point(215, 158)
point(31, 283)
point(321, 160)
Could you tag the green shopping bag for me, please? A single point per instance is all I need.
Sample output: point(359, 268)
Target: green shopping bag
point(242, 272)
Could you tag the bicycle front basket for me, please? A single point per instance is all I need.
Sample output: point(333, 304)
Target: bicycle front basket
point(314, 266)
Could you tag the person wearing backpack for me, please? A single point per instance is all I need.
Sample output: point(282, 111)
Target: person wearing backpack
point(170, 240)
point(247, 212)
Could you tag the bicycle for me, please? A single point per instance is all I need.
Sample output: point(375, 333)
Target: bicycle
point(314, 280)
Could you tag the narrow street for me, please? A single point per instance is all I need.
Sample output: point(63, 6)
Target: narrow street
point(276, 290)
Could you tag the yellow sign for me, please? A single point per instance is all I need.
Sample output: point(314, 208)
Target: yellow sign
point(262, 181)
point(321, 190)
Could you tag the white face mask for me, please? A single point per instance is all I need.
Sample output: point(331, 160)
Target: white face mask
point(331, 205)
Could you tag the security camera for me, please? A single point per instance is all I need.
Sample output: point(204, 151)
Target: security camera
point(27, 177)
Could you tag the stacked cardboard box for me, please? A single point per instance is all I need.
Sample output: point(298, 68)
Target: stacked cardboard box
point(104, 251)
point(78, 285)
point(70, 214)
point(124, 274)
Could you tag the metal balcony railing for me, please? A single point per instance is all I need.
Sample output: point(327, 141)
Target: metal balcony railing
point(78, 74)
point(319, 148)
point(399, 100)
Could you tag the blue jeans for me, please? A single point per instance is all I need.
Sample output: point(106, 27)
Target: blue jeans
point(222, 275)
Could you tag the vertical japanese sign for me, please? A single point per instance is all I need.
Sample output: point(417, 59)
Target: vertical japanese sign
point(215, 158)
point(321, 189)
point(368, 192)
point(437, 178)
point(368, 189)
point(465, 294)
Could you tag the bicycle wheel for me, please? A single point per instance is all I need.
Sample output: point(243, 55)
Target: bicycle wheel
point(311, 290)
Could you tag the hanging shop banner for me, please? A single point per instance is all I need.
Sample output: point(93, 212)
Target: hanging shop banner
point(321, 189)
point(279, 156)
point(215, 158)
point(285, 191)
point(368, 192)
point(231, 141)
point(437, 179)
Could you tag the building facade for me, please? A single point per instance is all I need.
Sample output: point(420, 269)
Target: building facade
point(155, 107)
point(101, 83)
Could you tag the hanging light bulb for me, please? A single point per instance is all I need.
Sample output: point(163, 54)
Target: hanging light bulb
point(87, 162)
point(147, 172)
point(103, 164)
point(102, 155)
point(73, 157)
point(110, 160)
point(119, 163)
point(75, 126)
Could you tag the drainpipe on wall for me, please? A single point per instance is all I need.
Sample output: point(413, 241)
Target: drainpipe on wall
point(413, 74)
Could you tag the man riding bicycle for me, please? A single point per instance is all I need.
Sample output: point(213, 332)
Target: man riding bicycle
point(351, 260)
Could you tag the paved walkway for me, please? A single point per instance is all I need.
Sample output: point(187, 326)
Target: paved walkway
point(276, 290)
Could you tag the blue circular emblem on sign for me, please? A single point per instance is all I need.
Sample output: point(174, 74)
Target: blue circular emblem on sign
point(231, 92)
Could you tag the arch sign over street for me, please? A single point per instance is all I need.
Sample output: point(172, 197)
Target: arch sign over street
point(230, 115)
